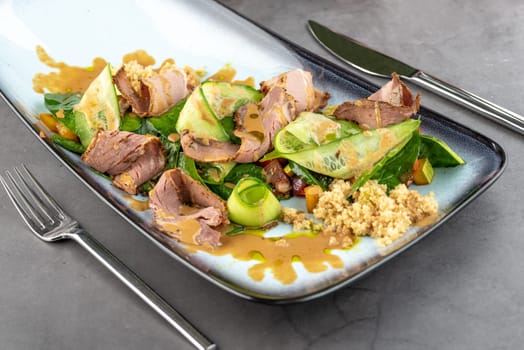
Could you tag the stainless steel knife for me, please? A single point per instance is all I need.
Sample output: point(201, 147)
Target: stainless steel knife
point(373, 62)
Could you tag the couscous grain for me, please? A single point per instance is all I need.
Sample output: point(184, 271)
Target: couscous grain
point(371, 212)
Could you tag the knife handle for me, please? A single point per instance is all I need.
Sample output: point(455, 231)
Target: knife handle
point(466, 99)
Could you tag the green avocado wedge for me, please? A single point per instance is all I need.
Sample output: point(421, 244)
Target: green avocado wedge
point(98, 108)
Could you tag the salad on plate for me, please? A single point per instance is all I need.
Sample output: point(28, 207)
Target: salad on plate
point(224, 162)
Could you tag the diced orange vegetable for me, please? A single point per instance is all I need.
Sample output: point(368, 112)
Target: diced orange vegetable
point(65, 132)
point(416, 165)
point(423, 174)
point(49, 121)
point(249, 81)
point(312, 193)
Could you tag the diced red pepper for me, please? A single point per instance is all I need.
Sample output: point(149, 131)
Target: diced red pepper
point(299, 186)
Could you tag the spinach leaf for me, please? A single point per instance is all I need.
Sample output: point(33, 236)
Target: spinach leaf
point(228, 124)
point(236, 230)
point(165, 124)
point(310, 177)
point(172, 152)
point(147, 128)
point(188, 165)
point(243, 170)
point(238, 172)
point(395, 166)
point(161, 126)
point(438, 152)
point(130, 122)
point(63, 102)
point(68, 144)
point(221, 190)
point(146, 187)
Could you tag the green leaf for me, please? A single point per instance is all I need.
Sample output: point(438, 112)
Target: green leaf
point(438, 152)
point(310, 177)
point(214, 173)
point(146, 187)
point(228, 124)
point(59, 101)
point(188, 165)
point(239, 172)
point(394, 167)
point(236, 230)
point(68, 144)
point(131, 123)
point(244, 170)
point(172, 152)
point(64, 102)
point(221, 190)
point(165, 124)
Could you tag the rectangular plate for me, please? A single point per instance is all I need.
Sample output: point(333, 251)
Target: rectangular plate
point(206, 34)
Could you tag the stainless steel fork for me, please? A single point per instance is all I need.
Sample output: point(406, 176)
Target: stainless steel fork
point(50, 223)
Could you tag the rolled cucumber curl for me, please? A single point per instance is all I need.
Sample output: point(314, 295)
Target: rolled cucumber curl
point(252, 203)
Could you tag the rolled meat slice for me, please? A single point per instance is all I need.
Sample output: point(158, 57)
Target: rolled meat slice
point(131, 158)
point(286, 95)
point(152, 92)
point(391, 104)
point(299, 84)
point(184, 209)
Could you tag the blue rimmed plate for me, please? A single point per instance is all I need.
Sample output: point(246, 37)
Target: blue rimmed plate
point(206, 34)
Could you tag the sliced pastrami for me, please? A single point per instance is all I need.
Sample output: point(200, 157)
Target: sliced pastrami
point(391, 104)
point(299, 84)
point(181, 204)
point(131, 158)
point(156, 93)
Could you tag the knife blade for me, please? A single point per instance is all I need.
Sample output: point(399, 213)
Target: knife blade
point(370, 61)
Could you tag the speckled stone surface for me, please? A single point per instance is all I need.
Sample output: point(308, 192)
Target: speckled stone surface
point(460, 288)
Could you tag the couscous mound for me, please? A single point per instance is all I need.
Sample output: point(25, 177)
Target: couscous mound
point(371, 212)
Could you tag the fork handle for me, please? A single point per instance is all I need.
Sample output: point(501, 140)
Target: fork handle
point(130, 279)
point(466, 99)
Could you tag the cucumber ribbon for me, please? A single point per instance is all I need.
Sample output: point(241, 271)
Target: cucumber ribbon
point(252, 203)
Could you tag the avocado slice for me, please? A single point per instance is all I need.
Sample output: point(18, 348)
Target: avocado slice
point(98, 108)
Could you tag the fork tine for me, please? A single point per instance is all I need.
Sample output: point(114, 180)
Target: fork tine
point(20, 202)
point(42, 196)
point(34, 199)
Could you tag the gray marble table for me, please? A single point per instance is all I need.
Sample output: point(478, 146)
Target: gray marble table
point(460, 288)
